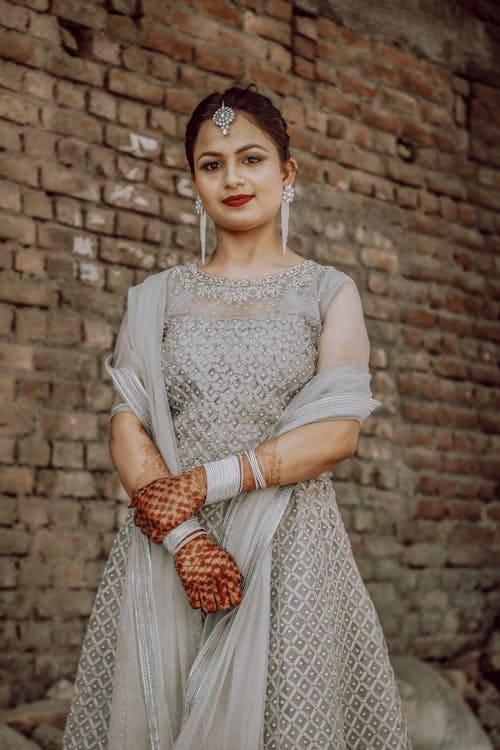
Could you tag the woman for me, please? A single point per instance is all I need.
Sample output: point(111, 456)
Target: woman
point(231, 615)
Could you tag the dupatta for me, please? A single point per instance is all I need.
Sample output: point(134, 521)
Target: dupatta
point(182, 680)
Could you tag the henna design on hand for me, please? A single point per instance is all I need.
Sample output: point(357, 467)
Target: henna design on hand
point(153, 465)
point(270, 462)
point(209, 575)
point(163, 504)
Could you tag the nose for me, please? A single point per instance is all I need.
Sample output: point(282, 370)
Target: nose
point(232, 175)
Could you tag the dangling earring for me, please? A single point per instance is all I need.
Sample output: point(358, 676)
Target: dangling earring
point(200, 209)
point(286, 198)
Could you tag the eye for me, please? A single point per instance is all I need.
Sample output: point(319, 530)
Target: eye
point(210, 165)
point(253, 159)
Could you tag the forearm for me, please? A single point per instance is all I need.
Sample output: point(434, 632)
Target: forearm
point(303, 452)
point(136, 458)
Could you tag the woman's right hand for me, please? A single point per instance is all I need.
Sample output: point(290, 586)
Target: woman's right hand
point(209, 575)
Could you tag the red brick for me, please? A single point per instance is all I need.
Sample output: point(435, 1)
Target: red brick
point(466, 555)
point(18, 169)
point(325, 71)
point(98, 397)
point(332, 100)
point(431, 508)
point(66, 483)
point(122, 27)
point(121, 82)
point(378, 258)
point(361, 159)
point(16, 109)
point(34, 451)
point(380, 119)
point(15, 480)
point(97, 334)
point(224, 10)
point(66, 66)
point(15, 289)
point(17, 228)
point(303, 68)
point(80, 12)
point(18, 47)
point(219, 61)
point(70, 182)
point(158, 38)
point(354, 85)
point(65, 362)
point(272, 79)
point(72, 425)
point(269, 28)
point(421, 412)
point(427, 225)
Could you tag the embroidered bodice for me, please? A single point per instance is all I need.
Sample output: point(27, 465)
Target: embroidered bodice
point(234, 354)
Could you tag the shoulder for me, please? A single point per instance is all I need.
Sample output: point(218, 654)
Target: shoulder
point(329, 276)
point(156, 283)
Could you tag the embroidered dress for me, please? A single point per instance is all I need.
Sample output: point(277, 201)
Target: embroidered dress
point(302, 663)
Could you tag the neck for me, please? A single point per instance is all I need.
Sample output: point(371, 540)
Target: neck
point(254, 250)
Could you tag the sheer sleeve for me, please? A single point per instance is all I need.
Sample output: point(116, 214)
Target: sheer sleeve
point(124, 356)
point(343, 335)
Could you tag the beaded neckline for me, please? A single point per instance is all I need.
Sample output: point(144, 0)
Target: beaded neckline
point(258, 280)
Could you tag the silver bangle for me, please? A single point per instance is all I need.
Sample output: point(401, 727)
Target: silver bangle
point(254, 465)
point(182, 534)
point(240, 462)
point(223, 479)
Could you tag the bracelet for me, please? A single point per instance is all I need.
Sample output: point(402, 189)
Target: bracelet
point(223, 479)
point(182, 534)
point(254, 465)
point(225, 476)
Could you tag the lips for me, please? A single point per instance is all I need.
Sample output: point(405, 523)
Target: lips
point(237, 200)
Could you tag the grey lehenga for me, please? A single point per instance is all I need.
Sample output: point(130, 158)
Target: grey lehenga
point(213, 366)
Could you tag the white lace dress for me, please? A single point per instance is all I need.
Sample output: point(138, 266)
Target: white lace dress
point(234, 354)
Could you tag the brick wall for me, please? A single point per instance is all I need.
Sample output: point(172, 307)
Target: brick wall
point(399, 186)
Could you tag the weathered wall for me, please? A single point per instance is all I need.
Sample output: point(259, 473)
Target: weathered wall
point(399, 185)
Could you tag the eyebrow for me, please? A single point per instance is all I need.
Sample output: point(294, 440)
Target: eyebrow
point(238, 151)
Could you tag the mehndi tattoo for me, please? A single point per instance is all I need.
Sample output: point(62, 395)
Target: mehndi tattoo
point(153, 465)
point(270, 462)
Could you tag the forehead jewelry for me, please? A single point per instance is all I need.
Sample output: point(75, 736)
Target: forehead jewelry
point(223, 117)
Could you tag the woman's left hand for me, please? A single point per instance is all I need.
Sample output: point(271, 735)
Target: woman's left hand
point(167, 502)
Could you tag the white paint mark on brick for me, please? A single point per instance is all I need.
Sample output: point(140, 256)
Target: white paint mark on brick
point(141, 143)
point(82, 246)
point(184, 187)
point(98, 219)
point(186, 218)
point(335, 231)
point(132, 173)
point(139, 200)
point(89, 272)
point(122, 192)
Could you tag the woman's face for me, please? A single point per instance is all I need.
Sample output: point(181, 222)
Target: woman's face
point(244, 163)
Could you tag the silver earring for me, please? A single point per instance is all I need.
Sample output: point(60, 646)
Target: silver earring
point(200, 209)
point(286, 198)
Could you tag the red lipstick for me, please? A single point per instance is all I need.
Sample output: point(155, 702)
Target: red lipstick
point(237, 200)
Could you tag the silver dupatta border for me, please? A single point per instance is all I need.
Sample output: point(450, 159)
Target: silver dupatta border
point(132, 391)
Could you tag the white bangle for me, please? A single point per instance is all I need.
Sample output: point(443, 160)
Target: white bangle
point(223, 479)
point(254, 465)
point(182, 534)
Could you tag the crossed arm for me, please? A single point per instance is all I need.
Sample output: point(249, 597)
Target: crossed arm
point(163, 502)
point(299, 454)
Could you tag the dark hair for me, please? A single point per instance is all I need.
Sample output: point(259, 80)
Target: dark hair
point(248, 100)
